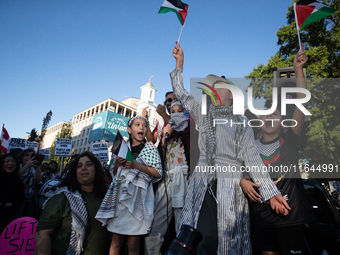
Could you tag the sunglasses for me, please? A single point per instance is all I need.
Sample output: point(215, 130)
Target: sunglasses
point(169, 100)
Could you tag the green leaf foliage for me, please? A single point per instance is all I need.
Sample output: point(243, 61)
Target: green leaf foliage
point(321, 39)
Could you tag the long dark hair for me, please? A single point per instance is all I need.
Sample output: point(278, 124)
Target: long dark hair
point(2, 162)
point(54, 162)
point(72, 183)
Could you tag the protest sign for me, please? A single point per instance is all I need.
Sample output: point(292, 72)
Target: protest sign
point(63, 147)
point(32, 145)
point(100, 150)
point(46, 153)
point(18, 237)
point(17, 143)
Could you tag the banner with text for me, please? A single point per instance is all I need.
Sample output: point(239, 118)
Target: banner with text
point(19, 237)
point(33, 145)
point(105, 125)
point(63, 147)
point(17, 143)
point(101, 151)
point(46, 153)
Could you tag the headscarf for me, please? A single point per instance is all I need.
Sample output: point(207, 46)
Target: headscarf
point(181, 118)
point(138, 117)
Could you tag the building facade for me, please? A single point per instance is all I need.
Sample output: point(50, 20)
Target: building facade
point(81, 122)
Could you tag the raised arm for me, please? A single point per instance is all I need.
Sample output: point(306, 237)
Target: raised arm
point(298, 64)
point(31, 162)
point(187, 100)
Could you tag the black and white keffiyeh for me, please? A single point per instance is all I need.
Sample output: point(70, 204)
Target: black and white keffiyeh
point(137, 192)
point(79, 219)
point(181, 118)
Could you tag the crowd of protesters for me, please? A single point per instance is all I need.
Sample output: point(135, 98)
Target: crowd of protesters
point(129, 206)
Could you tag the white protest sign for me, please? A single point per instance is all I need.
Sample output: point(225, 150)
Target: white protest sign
point(17, 143)
point(32, 145)
point(63, 147)
point(46, 153)
point(100, 150)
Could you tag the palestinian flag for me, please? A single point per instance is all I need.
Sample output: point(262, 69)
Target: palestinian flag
point(121, 149)
point(4, 140)
point(308, 11)
point(111, 161)
point(177, 7)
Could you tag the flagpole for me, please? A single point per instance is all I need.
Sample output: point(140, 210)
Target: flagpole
point(180, 34)
point(297, 26)
point(61, 165)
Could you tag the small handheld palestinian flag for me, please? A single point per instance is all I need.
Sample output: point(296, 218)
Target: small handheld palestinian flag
point(121, 149)
point(177, 7)
point(308, 11)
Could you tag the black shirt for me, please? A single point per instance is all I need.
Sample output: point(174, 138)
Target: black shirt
point(280, 156)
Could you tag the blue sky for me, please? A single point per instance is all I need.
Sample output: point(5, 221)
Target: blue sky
point(68, 55)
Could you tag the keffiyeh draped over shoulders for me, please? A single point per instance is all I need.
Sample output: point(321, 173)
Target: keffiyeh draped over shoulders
point(79, 218)
point(137, 192)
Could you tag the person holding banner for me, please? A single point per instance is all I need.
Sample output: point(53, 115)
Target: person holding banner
point(12, 193)
point(67, 224)
point(128, 206)
point(30, 173)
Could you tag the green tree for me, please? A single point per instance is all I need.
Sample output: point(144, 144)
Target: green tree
point(46, 120)
point(33, 136)
point(321, 40)
point(65, 132)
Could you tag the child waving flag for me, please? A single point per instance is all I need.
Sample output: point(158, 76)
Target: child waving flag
point(278, 148)
point(128, 206)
